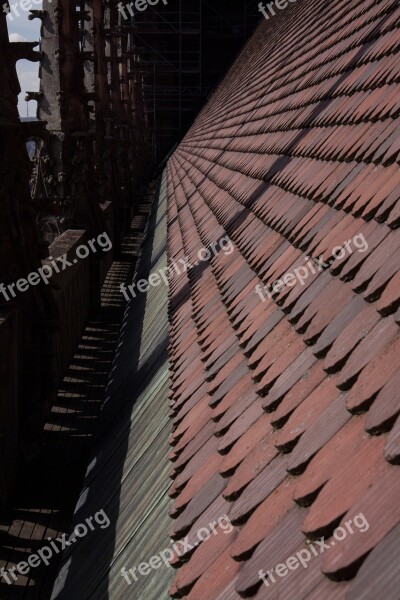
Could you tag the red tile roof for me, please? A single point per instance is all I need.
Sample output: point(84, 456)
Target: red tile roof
point(285, 411)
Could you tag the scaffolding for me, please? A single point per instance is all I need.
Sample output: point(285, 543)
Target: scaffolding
point(182, 49)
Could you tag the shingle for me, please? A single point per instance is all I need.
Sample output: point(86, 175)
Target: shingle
point(246, 444)
point(290, 157)
point(271, 551)
point(204, 557)
point(380, 510)
point(377, 571)
point(308, 383)
point(330, 506)
point(385, 408)
point(392, 448)
point(263, 453)
point(218, 579)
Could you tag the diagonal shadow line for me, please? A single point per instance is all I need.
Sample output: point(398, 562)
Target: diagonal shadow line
point(132, 375)
point(239, 217)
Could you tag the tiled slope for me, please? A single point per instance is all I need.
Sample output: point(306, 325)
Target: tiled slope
point(284, 412)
